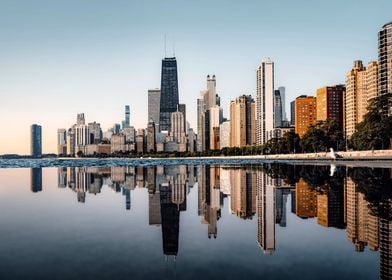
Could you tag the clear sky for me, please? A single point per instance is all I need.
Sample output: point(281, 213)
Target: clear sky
point(61, 57)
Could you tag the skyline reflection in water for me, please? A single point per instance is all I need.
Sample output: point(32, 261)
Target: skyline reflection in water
point(273, 206)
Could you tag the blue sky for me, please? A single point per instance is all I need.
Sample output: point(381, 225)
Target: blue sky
point(61, 57)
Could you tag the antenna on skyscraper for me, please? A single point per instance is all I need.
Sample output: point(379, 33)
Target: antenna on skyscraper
point(174, 49)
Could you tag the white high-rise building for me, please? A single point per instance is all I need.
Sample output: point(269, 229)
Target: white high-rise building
point(265, 101)
point(82, 135)
point(61, 141)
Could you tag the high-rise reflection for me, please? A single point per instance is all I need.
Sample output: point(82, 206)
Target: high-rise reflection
point(345, 199)
point(36, 179)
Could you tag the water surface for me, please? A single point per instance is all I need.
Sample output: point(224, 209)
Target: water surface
point(196, 221)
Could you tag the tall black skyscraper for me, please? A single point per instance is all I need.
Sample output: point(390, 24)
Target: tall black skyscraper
point(36, 140)
point(169, 92)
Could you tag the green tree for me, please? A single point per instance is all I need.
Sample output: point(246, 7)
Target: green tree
point(375, 131)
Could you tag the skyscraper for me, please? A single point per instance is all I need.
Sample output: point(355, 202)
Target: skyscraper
point(150, 136)
point(292, 112)
point(200, 125)
point(182, 108)
point(95, 132)
point(154, 99)
point(209, 116)
point(61, 141)
point(305, 113)
point(215, 120)
point(177, 131)
point(210, 97)
point(169, 92)
point(282, 91)
point(361, 88)
point(278, 116)
point(265, 101)
point(330, 104)
point(82, 137)
point(385, 58)
point(36, 140)
point(126, 122)
point(242, 121)
point(80, 119)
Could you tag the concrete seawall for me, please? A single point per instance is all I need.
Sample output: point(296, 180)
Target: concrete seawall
point(351, 155)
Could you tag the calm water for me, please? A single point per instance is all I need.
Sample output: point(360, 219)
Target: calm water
point(196, 222)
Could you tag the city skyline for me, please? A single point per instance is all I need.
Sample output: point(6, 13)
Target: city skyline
point(48, 67)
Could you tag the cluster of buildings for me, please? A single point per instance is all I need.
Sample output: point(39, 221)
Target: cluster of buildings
point(251, 121)
point(253, 194)
point(167, 128)
point(255, 123)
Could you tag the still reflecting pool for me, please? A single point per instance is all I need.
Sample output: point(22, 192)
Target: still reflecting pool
point(196, 222)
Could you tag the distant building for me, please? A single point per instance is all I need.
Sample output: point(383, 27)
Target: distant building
point(282, 91)
point(140, 141)
point(200, 125)
point(177, 138)
point(169, 92)
point(36, 140)
point(127, 121)
point(191, 140)
point(384, 59)
point(61, 141)
point(182, 108)
point(242, 121)
point(95, 132)
point(292, 112)
point(265, 101)
point(154, 99)
point(305, 113)
point(116, 128)
point(82, 137)
point(130, 134)
point(278, 110)
point(224, 132)
point(151, 140)
point(215, 120)
point(80, 119)
point(209, 115)
point(71, 142)
point(117, 142)
point(330, 104)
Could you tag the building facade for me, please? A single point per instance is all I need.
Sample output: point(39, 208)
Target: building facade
point(265, 101)
point(151, 141)
point(242, 121)
point(154, 101)
point(330, 104)
point(292, 112)
point(361, 88)
point(224, 134)
point(385, 59)
point(127, 121)
point(61, 141)
point(305, 113)
point(169, 92)
point(36, 140)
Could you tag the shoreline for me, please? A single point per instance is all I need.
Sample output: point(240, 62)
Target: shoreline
point(381, 159)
